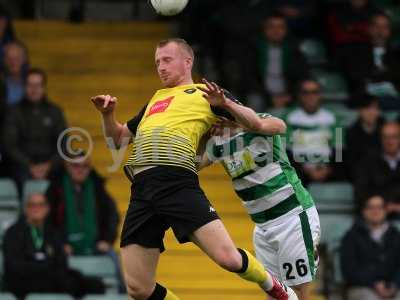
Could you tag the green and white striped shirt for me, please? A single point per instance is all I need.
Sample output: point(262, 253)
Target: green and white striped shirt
point(261, 174)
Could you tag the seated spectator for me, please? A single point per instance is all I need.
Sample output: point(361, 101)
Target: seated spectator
point(280, 64)
point(34, 258)
point(380, 172)
point(15, 60)
point(6, 33)
point(370, 259)
point(363, 137)
point(31, 131)
point(311, 135)
point(83, 211)
point(373, 67)
point(348, 24)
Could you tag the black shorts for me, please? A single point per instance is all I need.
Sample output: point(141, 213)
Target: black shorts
point(164, 197)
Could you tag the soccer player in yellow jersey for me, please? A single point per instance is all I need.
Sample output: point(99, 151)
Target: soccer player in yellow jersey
point(165, 187)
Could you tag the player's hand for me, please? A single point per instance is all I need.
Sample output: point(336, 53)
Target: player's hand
point(104, 103)
point(213, 94)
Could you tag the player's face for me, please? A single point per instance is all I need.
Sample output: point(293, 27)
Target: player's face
point(391, 139)
point(310, 96)
point(375, 213)
point(380, 29)
point(173, 66)
point(37, 208)
point(275, 30)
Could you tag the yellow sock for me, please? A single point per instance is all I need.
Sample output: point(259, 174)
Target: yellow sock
point(170, 296)
point(255, 271)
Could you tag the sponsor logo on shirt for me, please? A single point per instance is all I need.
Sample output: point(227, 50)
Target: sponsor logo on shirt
point(190, 91)
point(160, 106)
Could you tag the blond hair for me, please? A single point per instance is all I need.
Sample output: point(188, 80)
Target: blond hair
point(180, 42)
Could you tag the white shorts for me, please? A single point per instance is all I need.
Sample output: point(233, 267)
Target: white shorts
point(287, 248)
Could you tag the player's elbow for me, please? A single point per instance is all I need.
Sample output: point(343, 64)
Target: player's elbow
point(256, 126)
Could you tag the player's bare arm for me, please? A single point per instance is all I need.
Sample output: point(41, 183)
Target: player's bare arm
point(245, 116)
point(203, 160)
point(118, 132)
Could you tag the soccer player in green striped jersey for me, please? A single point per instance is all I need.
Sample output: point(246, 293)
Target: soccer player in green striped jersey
point(287, 228)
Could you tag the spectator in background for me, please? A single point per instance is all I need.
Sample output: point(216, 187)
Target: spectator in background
point(348, 24)
point(83, 211)
point(380, 172)
point(363, 137)
point(373, 66)
point(370, 259)
point(311, 135)
point(34, 258)
point(301, 16)
point(31, 131)
point(280, 64)
point(15, 60)
point(6, 33)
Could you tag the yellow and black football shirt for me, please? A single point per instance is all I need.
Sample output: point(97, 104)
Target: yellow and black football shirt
point(169, 127)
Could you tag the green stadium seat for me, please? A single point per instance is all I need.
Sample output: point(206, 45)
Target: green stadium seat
point(100, 265)
point(7, 296)
point(49, 297)
point(333, 227)
point(7, 218)
point(314, 51)
point(391, 115)
point(332, 197)
point(8, 194)
point(35, 186)
point(106, 297)
point(334, 86)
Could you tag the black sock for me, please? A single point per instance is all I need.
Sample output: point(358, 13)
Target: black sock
point(245, 261)
point(159, 293)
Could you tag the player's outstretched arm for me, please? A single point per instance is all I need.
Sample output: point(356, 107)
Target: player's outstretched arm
point(245, 116)
point(117, 132)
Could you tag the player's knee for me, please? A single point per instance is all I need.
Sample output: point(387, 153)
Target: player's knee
point(138, 290)
point(229, 259)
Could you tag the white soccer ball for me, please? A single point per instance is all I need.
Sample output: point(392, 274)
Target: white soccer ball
point(169, 7)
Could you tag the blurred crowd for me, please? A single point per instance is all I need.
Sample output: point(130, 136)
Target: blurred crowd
point(330, 69)
point(74, 214)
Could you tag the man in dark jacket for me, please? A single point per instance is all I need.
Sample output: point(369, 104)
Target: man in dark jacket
point(363, 137)
point(373, 67)
point(370, 259)
point(31, 130)
point(380, 173)
point(34, 259)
